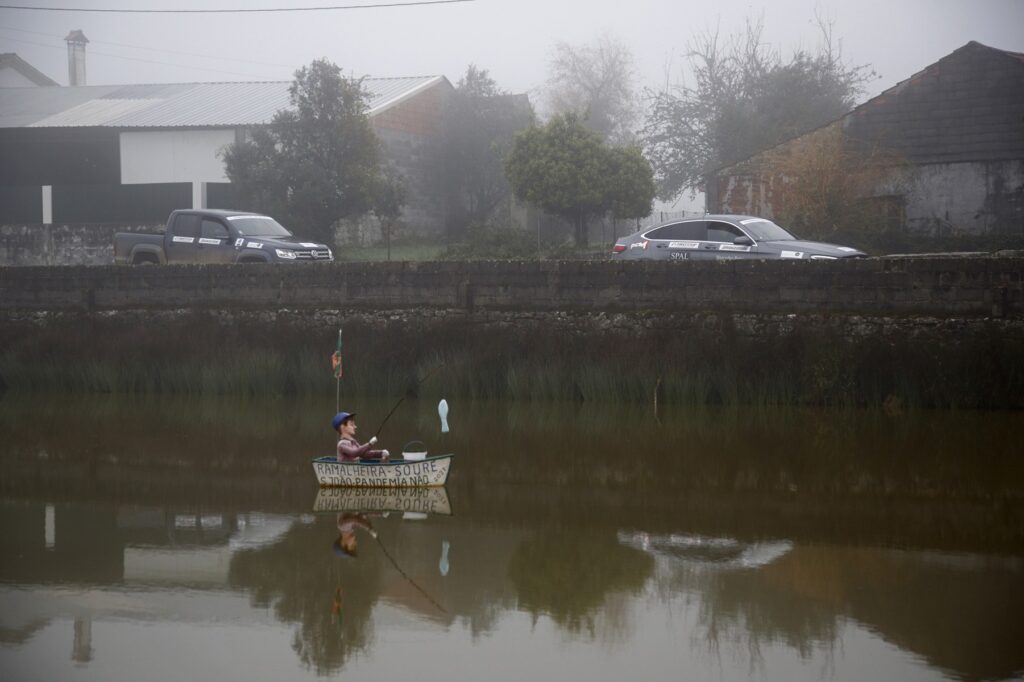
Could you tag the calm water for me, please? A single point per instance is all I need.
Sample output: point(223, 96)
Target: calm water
point(181, 540)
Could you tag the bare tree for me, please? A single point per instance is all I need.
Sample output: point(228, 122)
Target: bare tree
point(596, 82)
point(744, 99)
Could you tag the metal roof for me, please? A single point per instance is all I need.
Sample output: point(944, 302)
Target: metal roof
point(175, 105)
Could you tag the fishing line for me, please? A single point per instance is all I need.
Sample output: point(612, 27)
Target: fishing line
point(402, 399)
point(406, 576)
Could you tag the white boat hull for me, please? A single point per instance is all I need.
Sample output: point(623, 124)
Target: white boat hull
point(432, 471)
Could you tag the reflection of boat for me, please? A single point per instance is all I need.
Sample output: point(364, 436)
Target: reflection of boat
point(407, 500)
point(711, 552)
point(432, 471)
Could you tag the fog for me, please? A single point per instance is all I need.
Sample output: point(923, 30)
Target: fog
point(513, 39)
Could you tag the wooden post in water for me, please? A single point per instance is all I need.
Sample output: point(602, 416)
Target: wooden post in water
point(657, 386)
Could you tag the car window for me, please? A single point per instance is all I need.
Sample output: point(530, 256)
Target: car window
point(186, 225)
point(690, 230)
point(766, 230)
point(723, 232)
point(214, 229)
point(258, 226)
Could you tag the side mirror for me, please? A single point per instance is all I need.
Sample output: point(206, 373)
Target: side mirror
point(743, 240)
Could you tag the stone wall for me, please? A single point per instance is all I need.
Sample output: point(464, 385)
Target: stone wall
point(77, 244)
point(947, 286)
point(941, 332)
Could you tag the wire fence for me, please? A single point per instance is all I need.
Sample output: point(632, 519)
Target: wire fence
point(621, 228)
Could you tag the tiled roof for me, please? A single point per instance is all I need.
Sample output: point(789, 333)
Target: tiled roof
point(177, 105)
point(968, 106)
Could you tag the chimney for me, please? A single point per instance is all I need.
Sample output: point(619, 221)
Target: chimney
point(76, 41)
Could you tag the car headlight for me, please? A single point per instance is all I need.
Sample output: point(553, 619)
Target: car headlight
point(286, 254)
point(823, 258)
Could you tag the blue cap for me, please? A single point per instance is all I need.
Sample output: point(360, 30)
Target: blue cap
point(341, 551)
point(340, 418)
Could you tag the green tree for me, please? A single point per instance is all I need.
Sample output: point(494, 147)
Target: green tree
point(631, 183)
point(318, 161)
point(567, 170)
point(745, 99)
point(464, 163)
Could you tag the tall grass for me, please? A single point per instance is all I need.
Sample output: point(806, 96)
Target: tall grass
point(201, 355)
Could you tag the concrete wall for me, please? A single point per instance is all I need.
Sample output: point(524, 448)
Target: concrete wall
point(971, 198)
point(945, 287)
point(63, 244)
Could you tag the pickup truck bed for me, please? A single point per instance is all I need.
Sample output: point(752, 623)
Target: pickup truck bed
point(135, 248)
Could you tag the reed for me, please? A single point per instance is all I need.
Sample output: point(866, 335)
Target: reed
point(202, 356)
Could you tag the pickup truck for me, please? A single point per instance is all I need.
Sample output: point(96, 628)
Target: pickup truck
point(215, 236)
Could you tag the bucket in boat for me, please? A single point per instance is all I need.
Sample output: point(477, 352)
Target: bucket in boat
point(414, 451)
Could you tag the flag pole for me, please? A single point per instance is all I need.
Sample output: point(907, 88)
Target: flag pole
point(336, 367)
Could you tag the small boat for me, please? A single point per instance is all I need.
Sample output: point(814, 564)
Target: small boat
point(409, 501)
point(398, 473)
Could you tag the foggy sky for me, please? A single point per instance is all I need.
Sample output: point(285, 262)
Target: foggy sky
point(513, 39)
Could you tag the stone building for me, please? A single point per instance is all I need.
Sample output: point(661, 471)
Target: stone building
point(957, 131)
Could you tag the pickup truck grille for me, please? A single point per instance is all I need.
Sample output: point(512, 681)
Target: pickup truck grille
point(315, 254)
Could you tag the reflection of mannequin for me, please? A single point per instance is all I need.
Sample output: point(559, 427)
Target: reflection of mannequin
point(336, 607)
point(345, 545)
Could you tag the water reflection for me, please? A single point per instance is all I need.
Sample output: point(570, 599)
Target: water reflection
point(413, 502)
point(569, 574)
point(705, 552)
point(721, 551)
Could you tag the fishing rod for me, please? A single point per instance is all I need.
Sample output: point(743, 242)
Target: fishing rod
point(405, 575)
point(402, 399)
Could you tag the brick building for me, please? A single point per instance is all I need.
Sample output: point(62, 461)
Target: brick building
point(957, 129)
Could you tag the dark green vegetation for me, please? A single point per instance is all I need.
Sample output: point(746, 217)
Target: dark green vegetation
point(712, 363)
point(318, 162)
point(569, 171)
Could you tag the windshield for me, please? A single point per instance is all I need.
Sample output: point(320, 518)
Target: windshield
point(765, 230)
point(258, 226)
